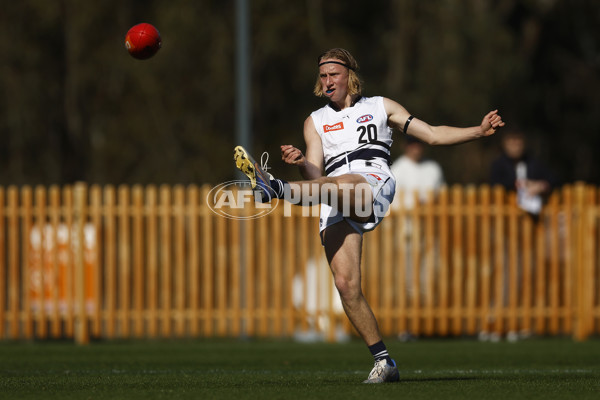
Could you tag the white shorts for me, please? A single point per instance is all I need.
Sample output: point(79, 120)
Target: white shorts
point(383, 187)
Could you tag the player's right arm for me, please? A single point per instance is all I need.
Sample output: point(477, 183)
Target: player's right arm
point(440, 135)
point(311, 164)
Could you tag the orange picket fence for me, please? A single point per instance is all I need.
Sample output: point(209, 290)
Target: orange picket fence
point(171, 261)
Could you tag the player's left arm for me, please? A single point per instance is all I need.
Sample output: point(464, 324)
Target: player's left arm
point(311, 165)
point(398, 117)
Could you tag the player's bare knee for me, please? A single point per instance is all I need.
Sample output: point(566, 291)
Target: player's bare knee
point(348, 289)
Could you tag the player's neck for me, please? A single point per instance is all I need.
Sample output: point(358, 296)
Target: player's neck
point(348, 101)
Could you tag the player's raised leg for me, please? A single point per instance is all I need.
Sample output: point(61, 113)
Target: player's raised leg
point(349, 193)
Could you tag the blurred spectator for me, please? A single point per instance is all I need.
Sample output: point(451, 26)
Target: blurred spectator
point(517, 170)
point(413, 173)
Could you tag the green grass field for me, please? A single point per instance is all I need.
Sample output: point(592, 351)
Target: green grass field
point(234, 369)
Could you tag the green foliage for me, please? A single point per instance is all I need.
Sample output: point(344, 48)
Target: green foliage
point(75, 106)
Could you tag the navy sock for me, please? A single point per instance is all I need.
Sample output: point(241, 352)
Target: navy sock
point(380, 352)
point(278, 187)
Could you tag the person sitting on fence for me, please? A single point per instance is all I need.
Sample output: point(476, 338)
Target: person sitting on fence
point(350, 138)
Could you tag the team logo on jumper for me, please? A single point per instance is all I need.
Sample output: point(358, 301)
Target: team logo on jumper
point(364, 118)
point(373, 179)
point(334, 127)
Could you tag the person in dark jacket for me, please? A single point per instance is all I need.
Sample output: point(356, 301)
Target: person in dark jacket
point(517, 170)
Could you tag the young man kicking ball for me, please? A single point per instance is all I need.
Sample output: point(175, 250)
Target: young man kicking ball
point(349, 139)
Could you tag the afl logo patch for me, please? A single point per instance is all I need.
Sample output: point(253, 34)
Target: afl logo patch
point(364, 118)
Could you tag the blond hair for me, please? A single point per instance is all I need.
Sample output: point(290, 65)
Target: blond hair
point(346, 59)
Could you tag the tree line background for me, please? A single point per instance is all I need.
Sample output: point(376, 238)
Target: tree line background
point(75, 106)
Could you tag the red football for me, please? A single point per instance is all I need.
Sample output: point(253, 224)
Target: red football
point(142, 41)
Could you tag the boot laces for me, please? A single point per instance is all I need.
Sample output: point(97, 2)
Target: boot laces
point(377, 370)
point(264, 159)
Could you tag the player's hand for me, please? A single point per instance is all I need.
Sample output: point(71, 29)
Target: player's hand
point(292, 156)
point(491, 123)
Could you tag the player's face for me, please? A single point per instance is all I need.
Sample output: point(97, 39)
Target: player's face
point(334, 80)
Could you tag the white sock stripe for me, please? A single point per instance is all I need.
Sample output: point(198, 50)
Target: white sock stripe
point(280, 190)
point(383, 353)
